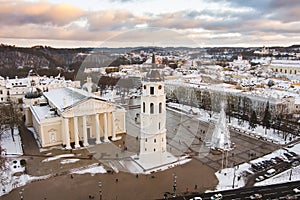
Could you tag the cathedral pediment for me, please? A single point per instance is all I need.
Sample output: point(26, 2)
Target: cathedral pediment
point(90, 106)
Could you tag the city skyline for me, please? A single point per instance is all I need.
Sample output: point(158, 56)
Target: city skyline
point(124, 23)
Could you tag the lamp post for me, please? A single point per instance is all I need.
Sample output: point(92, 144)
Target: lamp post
point(290, 178)
point(174, 184)
point(100, 190)
point(235, 167)
point(21, 194)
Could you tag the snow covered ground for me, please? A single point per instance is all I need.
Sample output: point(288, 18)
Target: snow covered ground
point(259, 131)
point(226, 176)
point(13, 175)
point(12, 146)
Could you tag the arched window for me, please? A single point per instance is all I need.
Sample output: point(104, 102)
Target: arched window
point(151, 108)
point(154, 140)
point(146, 140)
point(154, 149)
point(160, 108)
point(144, 107)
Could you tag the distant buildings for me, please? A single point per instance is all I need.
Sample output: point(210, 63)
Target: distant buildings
point(15, 89)
point(285, 66)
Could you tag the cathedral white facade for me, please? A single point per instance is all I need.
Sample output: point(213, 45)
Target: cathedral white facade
point(73, 117)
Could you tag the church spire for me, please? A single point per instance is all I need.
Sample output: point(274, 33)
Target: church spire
point(153, 58)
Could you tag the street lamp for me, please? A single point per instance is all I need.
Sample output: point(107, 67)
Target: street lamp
point(235, 167)
point(100, 190)
point(291, 173)
point(174, 184)
point(21, 194)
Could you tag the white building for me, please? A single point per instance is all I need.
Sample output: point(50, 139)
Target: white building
point(153, 142)
point(153, 114)
point(67, 116)
point(240, 64)
point(15, 89)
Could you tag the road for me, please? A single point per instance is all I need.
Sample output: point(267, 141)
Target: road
point(268, 192)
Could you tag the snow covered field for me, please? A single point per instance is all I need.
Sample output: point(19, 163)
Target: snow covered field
point(270, 135)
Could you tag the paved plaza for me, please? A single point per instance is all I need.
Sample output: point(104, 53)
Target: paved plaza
point(187, 135)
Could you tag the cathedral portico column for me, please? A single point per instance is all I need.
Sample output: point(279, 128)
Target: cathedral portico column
point(113, 126)
point(67, 133)
point(105, 128)
point(76, 132)
point(85, 137)
point(98, 141)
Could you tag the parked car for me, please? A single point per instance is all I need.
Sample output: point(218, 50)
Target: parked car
point(296, 190)
point(218, 196)
point(196, 198)
point(256, 196)
point(270, 172)
point(260, 178)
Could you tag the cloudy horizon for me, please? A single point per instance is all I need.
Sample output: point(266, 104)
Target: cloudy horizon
point(125, 23)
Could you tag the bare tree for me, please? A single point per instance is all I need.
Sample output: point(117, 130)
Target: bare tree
point(11, 118)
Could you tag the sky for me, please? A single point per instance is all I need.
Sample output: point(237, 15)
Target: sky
point(130, 23)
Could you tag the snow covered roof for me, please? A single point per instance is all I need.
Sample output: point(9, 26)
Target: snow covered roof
point(41, 112)
point(63, 98)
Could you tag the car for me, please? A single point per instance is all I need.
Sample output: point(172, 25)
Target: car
point(296, 190)
point(293, 153)
point(218, 196)
point(256, 196)
point(295, 163)
point(196, 198)
point(260, 178)
point(279, 159)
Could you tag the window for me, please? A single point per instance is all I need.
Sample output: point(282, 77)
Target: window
point(152, 90)
point(151, 108)
point(1, 92)
point(145, 87)
point(162, 139)
point(276, 70)
point(154, 140)
point(154, 149)
point(145, 149)
point(146, 140)
point(160, 108)
point(159, 87)
point(158, 125)
point(144, 107)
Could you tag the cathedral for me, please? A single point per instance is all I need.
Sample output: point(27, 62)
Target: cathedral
point(72, 117)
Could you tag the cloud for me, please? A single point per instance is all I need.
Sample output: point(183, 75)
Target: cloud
point(222, 21)
point(42, 12)
point(113, 20)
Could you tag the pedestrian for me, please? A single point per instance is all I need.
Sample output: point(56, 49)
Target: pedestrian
point(136, 175)
point(196, 186)
point(186, 189)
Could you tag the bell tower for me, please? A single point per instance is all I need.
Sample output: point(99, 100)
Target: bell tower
point(153, 112)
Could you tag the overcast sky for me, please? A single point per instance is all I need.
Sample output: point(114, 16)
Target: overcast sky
point(119, 23)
